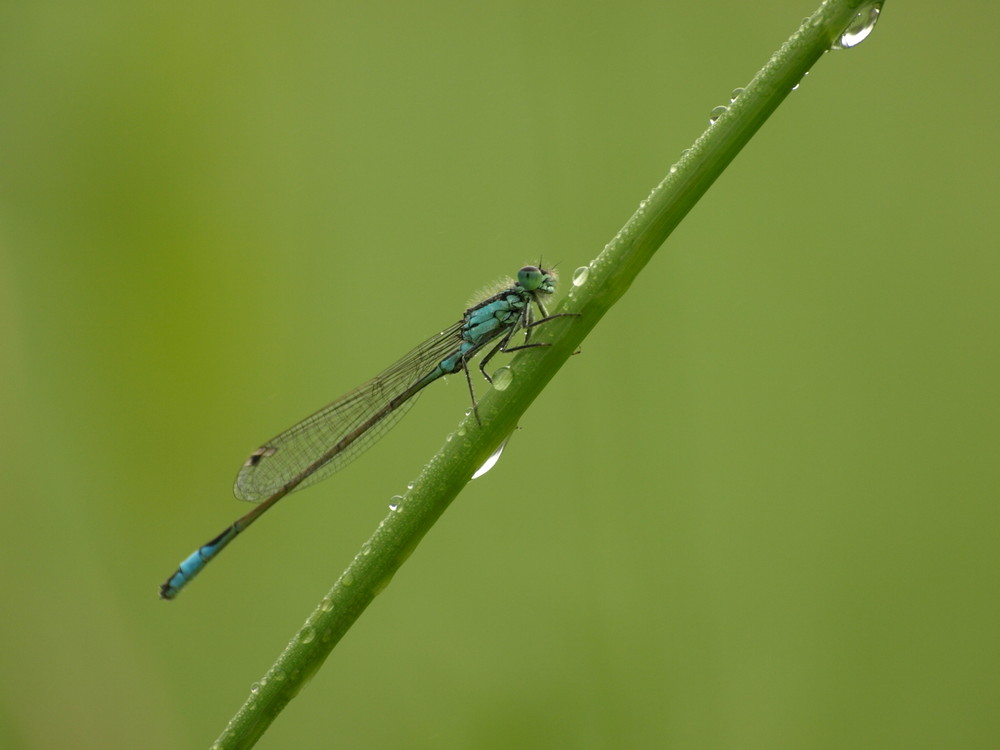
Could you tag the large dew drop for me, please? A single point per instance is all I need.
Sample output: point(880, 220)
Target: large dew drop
point(502, 378)
point(860, 26)
point(492, 460)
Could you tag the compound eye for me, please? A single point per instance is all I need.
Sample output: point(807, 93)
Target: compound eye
point(530, 278)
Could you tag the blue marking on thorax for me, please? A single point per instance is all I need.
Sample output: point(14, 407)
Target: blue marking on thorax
point(483, 323)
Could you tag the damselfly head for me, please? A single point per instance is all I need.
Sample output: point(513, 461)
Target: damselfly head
point(537, 279)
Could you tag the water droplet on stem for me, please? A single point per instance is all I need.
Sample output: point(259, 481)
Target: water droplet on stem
point(715, 114)
point(860, 27)
point(502, 378)
point(492, 460)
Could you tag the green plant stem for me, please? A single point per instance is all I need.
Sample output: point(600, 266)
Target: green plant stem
point(609, 277)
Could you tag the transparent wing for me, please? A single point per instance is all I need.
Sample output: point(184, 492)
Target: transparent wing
point(292, 453)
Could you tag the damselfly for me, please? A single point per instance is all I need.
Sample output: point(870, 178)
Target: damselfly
point(338, 433)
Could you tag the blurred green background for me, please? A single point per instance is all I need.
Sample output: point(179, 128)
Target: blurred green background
point(759, 510)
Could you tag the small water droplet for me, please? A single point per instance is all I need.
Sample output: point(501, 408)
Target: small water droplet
point(502, 378)
point(379, 587)
point(860, 27)
point(735, 95)
point(395, 502)
point(255, 688)
point(715, 114)
point(581, 275)
point(409, 485)
point(345, 580)
point(279, 674)
point(492, 460)
point(306, 635)
point(460, 431)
